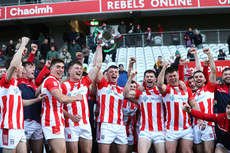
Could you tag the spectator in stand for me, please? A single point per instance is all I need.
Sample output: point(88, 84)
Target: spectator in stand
point(177, 60)
point(138, 37)
point(171, 59)
point(45, 47)
point(160, 30)
point(85, 52)
point(92, 45)
point(148, 38)
point(79, 39)
point(197, 39)
point(122, 28)
point(123, 76)
point(73, 35)
point(74, 48)
point(3, 50)
point(41, 38)
point(18, 44)
point(221, 55)
point(190, 56)
point(189, 35)
point(66, 57)
point(158, 66)
point(189, 42)
point(52, 53)
point(130, 30)
point(10, 49)
point(52, 43)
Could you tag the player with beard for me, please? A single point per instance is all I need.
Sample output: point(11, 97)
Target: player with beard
point(52, 119)
point(222, 95)
point(178, 125)
point(204, 141)
point(12, 136)
point(79, 133)
point(110, 124)
point(152, 129)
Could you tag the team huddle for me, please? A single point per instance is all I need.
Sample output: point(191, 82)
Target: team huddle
point(154, 114)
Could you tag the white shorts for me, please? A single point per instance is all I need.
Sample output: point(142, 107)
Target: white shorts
point(171, 135)
point(154, 137)
point(9, 138)
point(33, 130)
point(74, 132)
point(220, 144)
point(108, 133)
point(54, 132)
point(207, 135)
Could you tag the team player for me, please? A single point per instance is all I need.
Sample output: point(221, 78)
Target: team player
point(222, 95)
point(79, 132)
point(152, 130)
point(204, 97)
point(130, 116)
point(32, 113)
point(52, 120)
point(12, 136)
point(178, 125)
point(110, 124)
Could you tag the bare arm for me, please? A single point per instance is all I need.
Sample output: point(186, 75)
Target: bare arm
point(74, 118)
point(15, 63)
point(63, 98)
point(160, 79)
point(131, 62)
point(27, 102)
point(212, 77)
point(197, 59)
point(38, 91)
point(97, 65)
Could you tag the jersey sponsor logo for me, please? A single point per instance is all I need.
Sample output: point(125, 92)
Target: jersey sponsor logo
point(16, 91)
point(145, 98)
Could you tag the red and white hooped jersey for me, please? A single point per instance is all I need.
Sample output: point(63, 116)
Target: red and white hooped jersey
point(151, 110)
point(11, 105)
point(70, 88)
point(129, 110)
point(110, 103)
point(204, 98)
point(52, 113)
point(174, 98)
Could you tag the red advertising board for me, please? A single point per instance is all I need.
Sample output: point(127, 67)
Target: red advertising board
point(214, 3)
point(125, 5)
point(100, 6)
point(2, 12)
point(52, 9)
point(220, 65)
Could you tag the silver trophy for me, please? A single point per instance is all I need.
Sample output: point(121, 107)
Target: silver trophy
point(104, 33)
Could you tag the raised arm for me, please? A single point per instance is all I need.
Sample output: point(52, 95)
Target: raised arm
point(131, 62)
point(97, 64)
point(212, 77)
point(65, 99)
point(15, 63)
point(34, 48)
point(205, 70)
point(42, 73)
point(160, 79)
point(128, 94)
point(197, 59)
point(181, 69)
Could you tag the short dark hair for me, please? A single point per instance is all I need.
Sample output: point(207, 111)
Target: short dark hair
point(198, 71)
point(228, 103)
point(2, 67)
point(133, 82)
point(170, 70)
point(105, 71)
point(226, 69)
point(55, 61)
point(149, 71)
point(72, 63)
point(112, 67)
point(191, 77)
point(24, 64)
